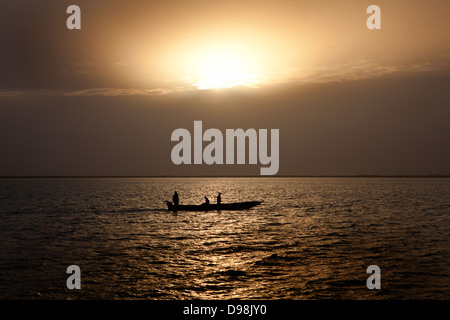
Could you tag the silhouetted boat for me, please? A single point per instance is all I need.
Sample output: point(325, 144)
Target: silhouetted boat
point(211, 207)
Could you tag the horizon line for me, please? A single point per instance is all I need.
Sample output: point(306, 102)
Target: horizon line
point(214, 176)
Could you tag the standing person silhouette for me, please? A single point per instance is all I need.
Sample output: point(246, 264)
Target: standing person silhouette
point(175, 199)
point(219, 198)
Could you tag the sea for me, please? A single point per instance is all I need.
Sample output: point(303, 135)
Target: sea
point(311, 239)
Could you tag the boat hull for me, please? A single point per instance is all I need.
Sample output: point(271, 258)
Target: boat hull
point(211, 207)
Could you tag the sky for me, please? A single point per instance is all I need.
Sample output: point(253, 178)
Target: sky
point(105, 99)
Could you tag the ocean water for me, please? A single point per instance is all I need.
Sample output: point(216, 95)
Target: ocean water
point(312, 238)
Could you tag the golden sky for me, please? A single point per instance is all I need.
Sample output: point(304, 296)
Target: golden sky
point(104, 100)
point(164, 46)
point(178, 44)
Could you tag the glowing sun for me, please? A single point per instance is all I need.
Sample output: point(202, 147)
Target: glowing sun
point(224, 67)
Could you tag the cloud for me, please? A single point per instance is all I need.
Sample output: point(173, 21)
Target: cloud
point(362, 69)
point(351, 71)
point(10, 93)
point(79, 68)
point(119, 92)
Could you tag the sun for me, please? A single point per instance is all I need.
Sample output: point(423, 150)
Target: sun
point(224, 67)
